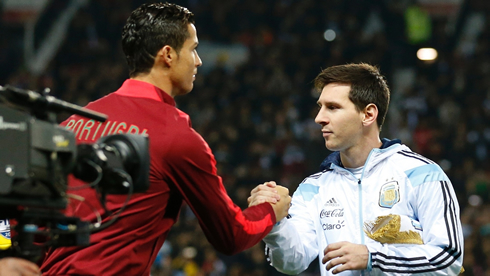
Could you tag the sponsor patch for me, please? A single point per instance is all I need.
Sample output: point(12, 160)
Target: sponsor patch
point(389, 194)
point(331, 203)
point(332, 215)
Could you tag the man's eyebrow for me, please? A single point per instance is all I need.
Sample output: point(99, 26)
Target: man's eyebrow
point(326, 103)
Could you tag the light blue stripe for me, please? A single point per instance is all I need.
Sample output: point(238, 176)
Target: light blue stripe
point(426, 173)
point(361, 215)
point(307, 191)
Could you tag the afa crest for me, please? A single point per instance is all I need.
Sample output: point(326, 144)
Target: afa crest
point(389, 194)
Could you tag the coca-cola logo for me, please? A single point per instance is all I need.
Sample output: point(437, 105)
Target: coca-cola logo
point(335, 213)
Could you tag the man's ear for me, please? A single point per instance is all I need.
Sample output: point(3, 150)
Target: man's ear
point(370, 114)
point(167, 55)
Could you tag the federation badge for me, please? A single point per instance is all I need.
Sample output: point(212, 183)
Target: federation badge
point(389, 195)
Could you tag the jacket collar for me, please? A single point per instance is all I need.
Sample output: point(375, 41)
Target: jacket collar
point(141, 89)
point(334, 158)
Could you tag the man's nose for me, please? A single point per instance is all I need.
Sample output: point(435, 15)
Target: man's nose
point(198, 61)
point(320, 118)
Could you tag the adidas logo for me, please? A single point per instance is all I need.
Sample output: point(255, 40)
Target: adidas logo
point(332, 202)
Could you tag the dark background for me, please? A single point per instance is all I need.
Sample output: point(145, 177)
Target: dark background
point(256, 108)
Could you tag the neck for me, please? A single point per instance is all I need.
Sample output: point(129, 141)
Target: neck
point(357, 155)
point(158, 79)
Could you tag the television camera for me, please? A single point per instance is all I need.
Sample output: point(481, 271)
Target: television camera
point(37, 155)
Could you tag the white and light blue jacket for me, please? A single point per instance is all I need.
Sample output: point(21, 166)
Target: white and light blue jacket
point(333, 205)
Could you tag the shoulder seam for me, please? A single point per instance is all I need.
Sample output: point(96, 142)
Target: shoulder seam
point(314, 176)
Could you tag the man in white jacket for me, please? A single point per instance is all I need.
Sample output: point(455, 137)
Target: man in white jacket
point(363, 179)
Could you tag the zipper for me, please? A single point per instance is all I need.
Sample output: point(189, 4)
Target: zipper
point(360, 210)
point(359, 189)
point(359, 185)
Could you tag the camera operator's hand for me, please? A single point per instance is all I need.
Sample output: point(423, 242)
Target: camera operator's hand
point(18, 267)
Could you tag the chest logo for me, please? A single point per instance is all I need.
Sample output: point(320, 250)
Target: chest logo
point(389, 194)
point(332, 215)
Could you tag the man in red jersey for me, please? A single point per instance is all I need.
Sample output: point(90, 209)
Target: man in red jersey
point(159, 41)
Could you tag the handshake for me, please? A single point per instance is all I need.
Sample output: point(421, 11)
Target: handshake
point(276, 195)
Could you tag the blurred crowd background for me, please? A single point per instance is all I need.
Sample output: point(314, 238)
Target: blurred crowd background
point(254, 102)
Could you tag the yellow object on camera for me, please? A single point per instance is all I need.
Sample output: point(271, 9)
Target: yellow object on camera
point(5, 234)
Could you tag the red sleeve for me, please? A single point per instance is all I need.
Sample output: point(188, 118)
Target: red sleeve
point(229, 229)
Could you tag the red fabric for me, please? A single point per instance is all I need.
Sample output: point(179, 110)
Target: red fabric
point(182, 169)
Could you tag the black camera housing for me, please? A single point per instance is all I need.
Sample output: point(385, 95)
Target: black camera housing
point(36, 157)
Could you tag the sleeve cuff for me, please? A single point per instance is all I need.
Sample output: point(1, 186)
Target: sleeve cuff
point(275, 229)
point(369, 264)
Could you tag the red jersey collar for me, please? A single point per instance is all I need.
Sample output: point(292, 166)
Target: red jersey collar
point(141, 89)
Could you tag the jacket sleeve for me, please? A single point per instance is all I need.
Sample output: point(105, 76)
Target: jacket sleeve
point(292, 244)
point(192, 169)
point(436, 208)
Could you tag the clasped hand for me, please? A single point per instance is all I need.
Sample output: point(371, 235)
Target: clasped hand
point(278, 196)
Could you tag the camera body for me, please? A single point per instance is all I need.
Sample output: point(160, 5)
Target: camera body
point(37, 155)
point(36, 158)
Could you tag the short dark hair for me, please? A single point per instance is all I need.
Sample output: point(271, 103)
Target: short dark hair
point(367, 85)
point(149, 28)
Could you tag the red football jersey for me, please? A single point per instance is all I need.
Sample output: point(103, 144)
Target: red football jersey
point(182, 168)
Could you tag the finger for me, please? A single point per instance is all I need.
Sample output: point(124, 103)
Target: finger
point(331, 255)
point(269, 193)
point(271, 184)
point(267, 186)
point(339, 269)
point(333, 246)
point(254, 190)
point(256, 200)
point(330, 265)
point(343, 266)
point(282, 190)
point(261, 189)
point(335, 262)
point(270, 199)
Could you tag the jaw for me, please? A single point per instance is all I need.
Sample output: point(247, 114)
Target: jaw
point(330, 145)
point(333, 144)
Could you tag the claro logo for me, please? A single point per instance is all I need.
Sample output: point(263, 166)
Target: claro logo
point(333, 226)
point(335, 213)
point(22, 126)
